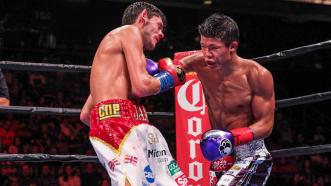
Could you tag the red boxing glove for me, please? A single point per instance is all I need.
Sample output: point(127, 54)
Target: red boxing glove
point(174, 68)
point(242, 135)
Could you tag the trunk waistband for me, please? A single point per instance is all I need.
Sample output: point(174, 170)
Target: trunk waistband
point(251, 149)
point(121, 109)
point(112, 121)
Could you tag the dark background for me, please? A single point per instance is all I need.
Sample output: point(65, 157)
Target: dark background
point(68, 32)
point(79, 25)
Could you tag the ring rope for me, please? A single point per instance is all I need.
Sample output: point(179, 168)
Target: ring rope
point(293, 52)
point(300, 151)
point(312, 98)
point(47, 158)
point(40, 110)
point(296, 151)
point(49, 67)
point(46, 67)
point(63, 111)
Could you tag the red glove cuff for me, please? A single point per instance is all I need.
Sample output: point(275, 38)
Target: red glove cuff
point(177, 62)
point(242, 135)
point(176, 71)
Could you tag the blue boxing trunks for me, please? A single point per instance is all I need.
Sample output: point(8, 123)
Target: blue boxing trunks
point(252, 166)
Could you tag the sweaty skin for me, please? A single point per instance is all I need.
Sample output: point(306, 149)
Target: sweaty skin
point(239, 92)
point(119, 65)
point(118, 69)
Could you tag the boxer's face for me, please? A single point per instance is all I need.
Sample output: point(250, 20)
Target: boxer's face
point(216, 53)
point(152, 32)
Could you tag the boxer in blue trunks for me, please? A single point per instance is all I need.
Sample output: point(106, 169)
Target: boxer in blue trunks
point(241, 103)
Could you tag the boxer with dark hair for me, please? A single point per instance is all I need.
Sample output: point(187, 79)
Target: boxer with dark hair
point(241, 103)
point(132, 151)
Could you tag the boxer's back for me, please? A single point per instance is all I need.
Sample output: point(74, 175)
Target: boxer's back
point(109, 75)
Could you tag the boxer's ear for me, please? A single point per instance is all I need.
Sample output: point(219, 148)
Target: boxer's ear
point(142, 17)
point(233, 46)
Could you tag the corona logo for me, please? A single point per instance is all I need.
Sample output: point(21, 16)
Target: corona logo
point(198, 100)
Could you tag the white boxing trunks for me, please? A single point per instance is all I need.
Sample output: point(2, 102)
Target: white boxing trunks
point(130, 148)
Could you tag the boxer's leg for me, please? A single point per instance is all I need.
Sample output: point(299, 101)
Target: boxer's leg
point(126, 167)
point(161, 162)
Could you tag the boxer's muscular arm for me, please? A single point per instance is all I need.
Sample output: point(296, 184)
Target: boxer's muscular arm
point(263, 104)
point(141, 82)
point(192, 60)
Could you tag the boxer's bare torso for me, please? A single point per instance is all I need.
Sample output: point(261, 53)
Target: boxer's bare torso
point(239, 93)
point(119, 65)
point(109, 74)
point(118, 69)
point(229, 94)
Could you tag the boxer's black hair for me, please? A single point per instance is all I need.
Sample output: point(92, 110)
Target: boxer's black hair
point(220, 26)
point(132, 11)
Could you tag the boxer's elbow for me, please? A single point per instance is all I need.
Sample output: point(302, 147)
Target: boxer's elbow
point(85, 118)
point(146, 87)
point(268, 133)
point(141, 91)
point(262, 130)
point(268, 130)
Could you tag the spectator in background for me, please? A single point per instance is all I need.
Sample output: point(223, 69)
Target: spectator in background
point(7, 135)
point(69, 178)
point(90, 175)
point(27, 178)
point(4, 93)
point(47, 177)
point(4, 178)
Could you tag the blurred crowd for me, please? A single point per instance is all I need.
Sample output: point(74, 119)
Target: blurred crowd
point(35, 133)
point(299, 170)
point(29, 36)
